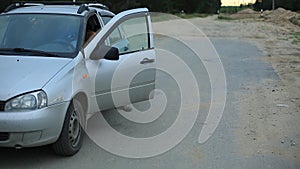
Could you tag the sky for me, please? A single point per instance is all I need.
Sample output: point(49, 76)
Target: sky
point(236, 2)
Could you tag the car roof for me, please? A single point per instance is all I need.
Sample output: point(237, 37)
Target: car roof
point(59, 9)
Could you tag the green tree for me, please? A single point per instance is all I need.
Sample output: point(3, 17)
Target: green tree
point(293, 5)
point(170, 6)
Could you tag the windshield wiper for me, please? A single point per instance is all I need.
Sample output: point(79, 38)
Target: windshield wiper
point(21, 50)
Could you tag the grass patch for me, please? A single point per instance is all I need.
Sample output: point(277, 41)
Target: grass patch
point(193, 15)
point(222, 17)
point(233, 9)
point(284, 39)
point(161, 18)
point(296, 37)
point(166, 17)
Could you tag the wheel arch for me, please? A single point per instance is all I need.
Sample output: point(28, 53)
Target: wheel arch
point(83, 99)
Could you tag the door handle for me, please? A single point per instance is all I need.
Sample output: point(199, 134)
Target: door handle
point(146, 61)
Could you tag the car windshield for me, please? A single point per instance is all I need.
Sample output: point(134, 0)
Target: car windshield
point(53, 34)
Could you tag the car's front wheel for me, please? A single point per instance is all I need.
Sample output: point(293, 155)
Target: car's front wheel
point(71, 137)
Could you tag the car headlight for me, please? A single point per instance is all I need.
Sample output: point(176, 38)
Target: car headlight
point(29, 101)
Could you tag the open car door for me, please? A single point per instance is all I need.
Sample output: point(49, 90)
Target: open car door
point(131, 78)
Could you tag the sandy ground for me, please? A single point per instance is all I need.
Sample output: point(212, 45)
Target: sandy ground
point(269, 113)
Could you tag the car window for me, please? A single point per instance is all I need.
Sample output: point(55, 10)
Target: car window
point(106, 19)
point(3, 26)
point(115, 36)
point(49, 33)
point(93, 25)
point(130, 36)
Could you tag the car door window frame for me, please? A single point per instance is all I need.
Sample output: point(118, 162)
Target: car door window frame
point(105, 18)
point(95, 30)
point(102, 41)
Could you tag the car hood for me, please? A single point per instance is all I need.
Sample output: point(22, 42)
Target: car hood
point(21, 74)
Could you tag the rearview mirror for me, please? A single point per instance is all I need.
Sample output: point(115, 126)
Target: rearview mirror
point(105, 52)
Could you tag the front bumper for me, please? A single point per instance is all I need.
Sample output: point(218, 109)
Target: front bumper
point(33, 128)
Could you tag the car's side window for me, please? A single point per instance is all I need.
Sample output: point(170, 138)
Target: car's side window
point(115, 36)
point(106, 19)
point(93, 25)
point(130, 36)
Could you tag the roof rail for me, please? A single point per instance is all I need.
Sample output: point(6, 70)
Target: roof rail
point(11, 7)
point(82, 8)
point(19, 5)
point(98, 5)
point(83, 5)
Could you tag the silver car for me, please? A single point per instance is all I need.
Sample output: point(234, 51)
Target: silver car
point(61, 63)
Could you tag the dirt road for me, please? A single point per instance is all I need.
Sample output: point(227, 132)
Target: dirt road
point(260, 124)
point(269, 112)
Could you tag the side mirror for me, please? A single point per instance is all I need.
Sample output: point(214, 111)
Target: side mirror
point(105, 52)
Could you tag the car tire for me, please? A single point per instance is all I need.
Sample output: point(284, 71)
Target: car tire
point(72, 134)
